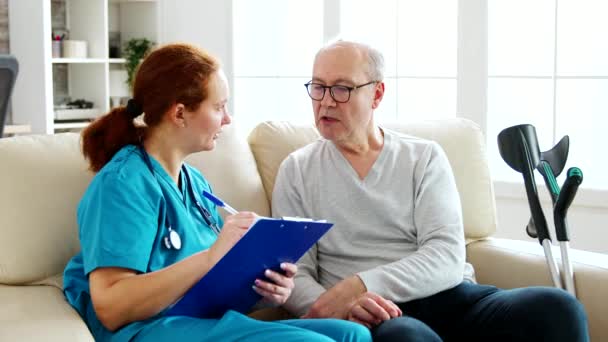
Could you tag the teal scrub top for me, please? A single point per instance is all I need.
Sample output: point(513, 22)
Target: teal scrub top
point(123, 219)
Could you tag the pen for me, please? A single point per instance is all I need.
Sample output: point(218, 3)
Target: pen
point(220, 203)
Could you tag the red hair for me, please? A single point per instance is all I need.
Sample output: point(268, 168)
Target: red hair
point(175, 73)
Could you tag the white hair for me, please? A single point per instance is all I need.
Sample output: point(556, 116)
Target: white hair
point(375, 59)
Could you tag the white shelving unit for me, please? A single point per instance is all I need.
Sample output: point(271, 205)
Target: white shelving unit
point(97, 78)
point(70, 125)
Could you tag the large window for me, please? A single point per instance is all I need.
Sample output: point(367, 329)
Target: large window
point(497, 62)
point(417, 40)
point(550, 69)
point(274, 45)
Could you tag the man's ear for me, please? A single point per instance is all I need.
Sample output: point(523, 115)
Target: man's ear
point(177, 115)
point(378, 95)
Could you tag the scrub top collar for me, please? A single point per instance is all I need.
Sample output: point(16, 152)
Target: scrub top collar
point(186, 186)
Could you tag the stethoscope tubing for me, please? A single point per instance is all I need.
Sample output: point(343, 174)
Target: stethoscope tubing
point(173, 240)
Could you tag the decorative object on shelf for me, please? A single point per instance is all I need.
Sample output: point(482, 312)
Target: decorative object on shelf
point(114, 44)
point(76, 110)
point(56, 48)
point(56, 44)
point(74, 49)
point(80, 103)
point(135, 49)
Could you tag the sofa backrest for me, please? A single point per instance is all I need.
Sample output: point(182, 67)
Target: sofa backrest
point(233, 174)
point(42, 179)
point(461, 139)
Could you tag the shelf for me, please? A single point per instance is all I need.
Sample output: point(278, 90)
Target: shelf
point(97, 78)
point(17, 129)
point(78, 60)
point(70, 125)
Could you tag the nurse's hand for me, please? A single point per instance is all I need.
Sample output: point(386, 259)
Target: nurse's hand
point(235, 226)
point(279, 286)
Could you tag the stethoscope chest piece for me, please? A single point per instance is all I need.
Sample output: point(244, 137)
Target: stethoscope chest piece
point(173, 241)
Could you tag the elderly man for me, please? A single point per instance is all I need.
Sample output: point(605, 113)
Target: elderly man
point(395, 259)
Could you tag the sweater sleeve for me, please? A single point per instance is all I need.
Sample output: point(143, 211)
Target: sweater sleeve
point(287, 201)
point(439, 262)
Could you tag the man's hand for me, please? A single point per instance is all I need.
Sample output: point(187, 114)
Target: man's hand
point(337, 301)
point(371, 309)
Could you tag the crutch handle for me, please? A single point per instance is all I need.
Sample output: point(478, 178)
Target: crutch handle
point(565, 198)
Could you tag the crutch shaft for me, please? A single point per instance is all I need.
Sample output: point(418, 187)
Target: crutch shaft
point(567, 271)
point(553, 270)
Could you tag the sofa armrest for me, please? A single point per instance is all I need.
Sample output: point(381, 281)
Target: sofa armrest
point(509, 263)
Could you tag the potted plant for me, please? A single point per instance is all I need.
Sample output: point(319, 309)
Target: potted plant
point(135, 49)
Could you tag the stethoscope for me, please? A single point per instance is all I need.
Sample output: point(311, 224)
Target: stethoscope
point(173, 240)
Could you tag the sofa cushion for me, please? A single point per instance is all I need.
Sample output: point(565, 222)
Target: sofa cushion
point(461, 139)
point(39, 313)
point(272, 141)
point(41, 181)
point(509, 263)
point(231, 170)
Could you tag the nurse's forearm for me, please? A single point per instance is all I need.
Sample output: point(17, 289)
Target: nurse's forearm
point(121, 296)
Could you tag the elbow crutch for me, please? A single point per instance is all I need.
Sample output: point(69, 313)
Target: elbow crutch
point(518, 146)
point(551, 164)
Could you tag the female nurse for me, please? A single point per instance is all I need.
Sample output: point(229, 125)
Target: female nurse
point(145, 233)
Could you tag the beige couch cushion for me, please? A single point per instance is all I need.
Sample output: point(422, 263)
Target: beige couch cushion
point(39, 313)
point(272, 141)
point(461, 139)
point(510, 263)
point(231, 170)
point(41, 181)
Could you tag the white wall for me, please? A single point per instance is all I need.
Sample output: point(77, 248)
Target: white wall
point(205, 23)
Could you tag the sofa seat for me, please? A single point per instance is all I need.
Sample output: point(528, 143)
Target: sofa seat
point(39, 313)
point(507, 263)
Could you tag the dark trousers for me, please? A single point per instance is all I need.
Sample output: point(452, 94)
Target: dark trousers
point(471, 312)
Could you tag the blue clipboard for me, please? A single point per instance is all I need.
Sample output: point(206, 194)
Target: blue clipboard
point(228, 284)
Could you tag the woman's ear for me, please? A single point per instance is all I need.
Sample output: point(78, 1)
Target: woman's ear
point(177, 115)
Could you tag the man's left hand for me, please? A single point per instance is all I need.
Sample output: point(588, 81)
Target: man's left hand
point(336, 302)
point(371, 309)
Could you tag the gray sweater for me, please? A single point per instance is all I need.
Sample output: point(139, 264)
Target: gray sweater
point(399, 229)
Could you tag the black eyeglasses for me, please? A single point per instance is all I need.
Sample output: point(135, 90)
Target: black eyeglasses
point(339, 93)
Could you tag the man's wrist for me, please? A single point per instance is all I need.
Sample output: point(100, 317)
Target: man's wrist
point(356, 285)
point(356, 288)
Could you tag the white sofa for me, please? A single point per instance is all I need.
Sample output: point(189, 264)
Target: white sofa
point(43, 177)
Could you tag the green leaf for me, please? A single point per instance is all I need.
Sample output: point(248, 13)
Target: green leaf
point(134, 51)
